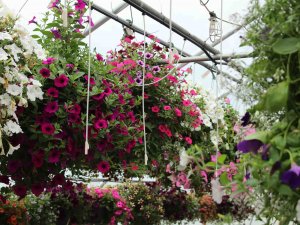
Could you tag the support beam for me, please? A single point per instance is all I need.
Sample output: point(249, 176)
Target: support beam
point(105, 19)
point(149, 11)
point(230, 33)
point(203, 58)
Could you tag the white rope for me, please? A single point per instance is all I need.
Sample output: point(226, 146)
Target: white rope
point(65, 15)
point(217, 84)
point(143, 94)
point(170, 26)
point(86, 147)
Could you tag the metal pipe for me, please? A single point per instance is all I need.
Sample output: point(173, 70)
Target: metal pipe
point(149, 11)
point(204, 58)
point(105, 19)
point(230, 33)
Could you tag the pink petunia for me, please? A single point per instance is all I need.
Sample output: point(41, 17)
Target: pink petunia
point(178, 112)
point(99, 57)
point(167, 107)
point(47, 128)
point(51, 107)
point(188, 140)
point(61, 81)
point(80, 5)
point(103, 167)
point(92, 80)
point(53, 156)
point(45, 72)
point(49, 61)
point(100, 124)
point(155, 109)
point(186, 102)
point(52, 92)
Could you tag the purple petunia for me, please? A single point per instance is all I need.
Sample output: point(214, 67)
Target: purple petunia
point(155, 69)
point(249, 146)
point(56, 33)
point(291, 177)
point(148, 55)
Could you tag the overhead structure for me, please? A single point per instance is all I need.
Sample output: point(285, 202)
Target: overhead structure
point(105, 19)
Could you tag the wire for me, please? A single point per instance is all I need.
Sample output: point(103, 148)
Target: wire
point(86, 147)
point(204, 3)
point(131, 14)
point(170, 26)
point(143, 94)
point(22, 8)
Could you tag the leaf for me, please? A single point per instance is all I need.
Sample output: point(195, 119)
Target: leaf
point(224, 179)
point(287, 46)
point(285, 190)
point(210, 164)
point(77, 75)
point(222, 159)
point(275, 98)
point(260, 135)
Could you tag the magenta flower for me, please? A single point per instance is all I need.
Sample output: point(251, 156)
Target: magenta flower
point(53, 4)
point(52, 92)
point(92, 80)
point(49, 61)
point(99, 57)
point(54, 155)
point(47, 128)
point(103, 166)
point(100, 124)
point(56, 33)
point(188, 140)
point(80, 5)
point(37, 158)
point(58, 179)
point(32, 20)
point(186, 102)
point(155, 109)
point(51, 107)
point(178, 112)
point(13, 166)
point(4, 179)
point(45, 72)
point(61, 81)
point(107, 91)
point(167, 107)
point(76, 109)
point(74, 118)
point(70, 66)
point(88, 21)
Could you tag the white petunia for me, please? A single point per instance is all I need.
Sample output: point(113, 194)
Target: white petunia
point(217, 191)
point(23, 102)
point(22, 78)
point(5, 99)
point(15, 50)
point(3, 55)
point(34, 92)
point(21, 30)
point(2, 81)
point(14, 89)
point(12, 149)
point(5, 36)
point(35, 82)
point(184, 160)
point(11, 127)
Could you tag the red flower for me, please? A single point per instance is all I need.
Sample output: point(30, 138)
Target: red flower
point(47, 128)
point(99, 57)
point(188, 140)
point(51, 107)
point(45, 72)
point(37, 189)
point(103, 166)
point(52, 92)
point(61, 81)
point(155, 109)
point(100, 124)
point(92, 80)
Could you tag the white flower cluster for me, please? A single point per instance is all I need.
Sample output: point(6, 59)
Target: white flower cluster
point(16, 46)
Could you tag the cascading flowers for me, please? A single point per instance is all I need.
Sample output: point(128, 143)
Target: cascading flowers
point(18, 53)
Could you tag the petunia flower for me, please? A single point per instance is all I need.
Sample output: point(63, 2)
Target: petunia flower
point(155, 109)
point(155, 69)
point(37, 158)
point(45, 72)
point(61, 81)
point(37, 189)
point(178, 112)
point(49, 61)
point(80, 5)
point(20, 190)
point(291, 177)
point(246, 119)
point(167, 107)
point(100, 124)
point(148, 55)
point(47, 128)
point(188, 140)
point(54, 155)
point(103, 166)
point(56, 33)
point(52, 92)
point(51, 107)
point(99, 57)
point(249, 146)
point(32, 20)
